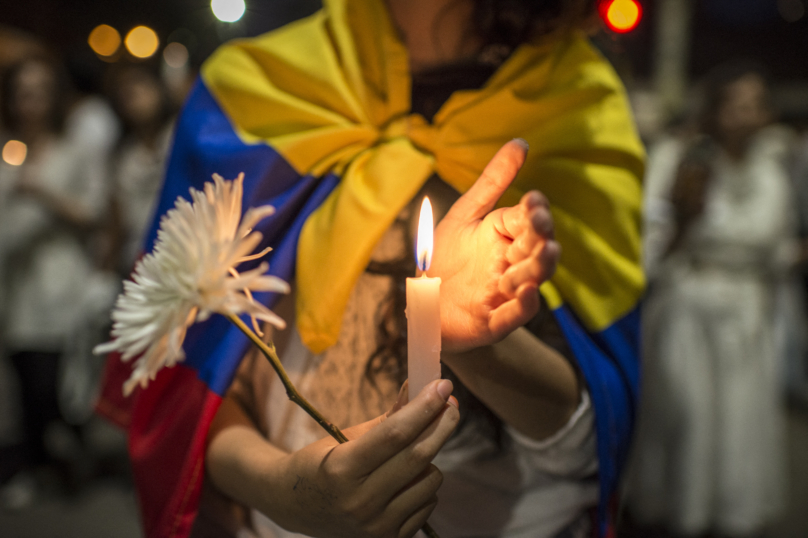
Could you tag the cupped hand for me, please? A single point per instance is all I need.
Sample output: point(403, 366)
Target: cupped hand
point(381, 483)
point(491, 262)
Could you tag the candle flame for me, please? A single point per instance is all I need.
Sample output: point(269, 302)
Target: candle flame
point(423, 246)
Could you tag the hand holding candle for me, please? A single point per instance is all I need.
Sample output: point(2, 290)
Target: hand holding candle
point(423, 312)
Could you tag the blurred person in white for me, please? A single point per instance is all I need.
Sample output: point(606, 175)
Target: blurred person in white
point(144, 107)
point(49, 205)
point(797, 366)
point(133, 161)
point(90, 121)
point(710, 447)
point(93, 128)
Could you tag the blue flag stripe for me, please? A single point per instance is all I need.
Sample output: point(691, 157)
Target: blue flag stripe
point(609, 362)
point(206, 143)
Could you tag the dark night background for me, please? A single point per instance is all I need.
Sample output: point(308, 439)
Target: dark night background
point(722, 29)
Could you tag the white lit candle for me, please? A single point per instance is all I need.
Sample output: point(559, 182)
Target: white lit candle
point(423, 312)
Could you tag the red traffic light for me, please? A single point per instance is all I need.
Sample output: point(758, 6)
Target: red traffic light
point(621, 16)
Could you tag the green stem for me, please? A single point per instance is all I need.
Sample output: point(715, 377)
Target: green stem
point(268, 349)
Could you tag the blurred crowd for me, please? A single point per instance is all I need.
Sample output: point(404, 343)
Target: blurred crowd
point(724, 324)
point(84, 145)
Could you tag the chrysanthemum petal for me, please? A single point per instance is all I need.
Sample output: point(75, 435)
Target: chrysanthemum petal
point(270, 283)
point(188, 276)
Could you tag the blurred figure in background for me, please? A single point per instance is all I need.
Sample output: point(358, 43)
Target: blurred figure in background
point(50, 202)
point(91, 121)
point(797, 365)
point(137, 167)
point(134, 167)
point(92, 128)
point(710, 449)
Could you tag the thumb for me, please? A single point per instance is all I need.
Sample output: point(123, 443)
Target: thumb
point(482, 197)
point(403, 398)
point(357, 431)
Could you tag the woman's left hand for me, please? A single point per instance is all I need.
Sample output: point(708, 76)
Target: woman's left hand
point(491, 262)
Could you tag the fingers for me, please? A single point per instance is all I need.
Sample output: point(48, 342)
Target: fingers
point(418, 519)
point(514, 313)
point(489, 187)
point(410, 462)
point(398, 430)
point(424, 487)
point(534, 269)
point(415, 496)
point(403, 398)
point(529, 223)
point(517, 219)
point(357, 431)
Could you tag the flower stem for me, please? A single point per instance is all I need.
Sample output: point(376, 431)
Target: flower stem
point(269, 352)
point(268, 349)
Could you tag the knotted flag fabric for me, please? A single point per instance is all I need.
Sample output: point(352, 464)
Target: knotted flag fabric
point(317, 116)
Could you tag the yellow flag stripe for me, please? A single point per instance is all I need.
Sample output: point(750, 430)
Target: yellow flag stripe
point(331, 94)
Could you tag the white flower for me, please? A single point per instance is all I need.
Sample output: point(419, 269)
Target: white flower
point(189, 275)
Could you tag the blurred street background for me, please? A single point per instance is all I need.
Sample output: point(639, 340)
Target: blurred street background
point(719, 90)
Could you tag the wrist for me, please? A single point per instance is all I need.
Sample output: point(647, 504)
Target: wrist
point(293, 494)
point(243, 465)
point(277, 498)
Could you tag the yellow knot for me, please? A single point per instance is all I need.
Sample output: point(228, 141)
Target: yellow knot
point(413, 127)
point(397, 127)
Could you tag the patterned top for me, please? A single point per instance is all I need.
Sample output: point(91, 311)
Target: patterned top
point(525, 488)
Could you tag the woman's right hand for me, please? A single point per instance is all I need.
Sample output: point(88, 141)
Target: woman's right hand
point(379, 484)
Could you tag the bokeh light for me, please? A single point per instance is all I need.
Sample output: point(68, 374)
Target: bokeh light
point(175, 55)
point(142, 42)
point(104, 40)
point(14, 152)
point(623, 15)
point(228, 10)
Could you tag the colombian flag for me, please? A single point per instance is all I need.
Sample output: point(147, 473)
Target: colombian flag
point(317, 116)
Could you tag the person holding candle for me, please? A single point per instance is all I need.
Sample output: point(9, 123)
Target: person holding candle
point(346, 120)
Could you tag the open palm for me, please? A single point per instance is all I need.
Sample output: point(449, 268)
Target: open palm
point(491, 262)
